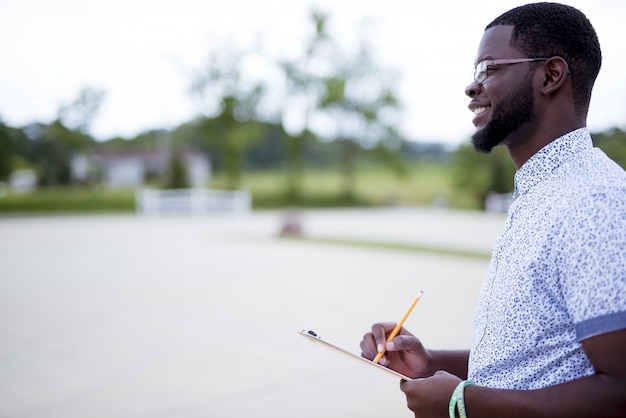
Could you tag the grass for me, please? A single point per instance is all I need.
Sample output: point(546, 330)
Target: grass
point(393, 246)
point(424, 184)
point(73, 199)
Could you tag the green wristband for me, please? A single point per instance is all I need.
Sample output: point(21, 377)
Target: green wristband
point(452, 405)
point(457, 401)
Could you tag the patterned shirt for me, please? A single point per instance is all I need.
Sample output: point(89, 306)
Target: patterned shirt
point(558, 270)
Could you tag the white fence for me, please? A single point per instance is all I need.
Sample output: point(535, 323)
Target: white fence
point(498, 203)
point(192, 201)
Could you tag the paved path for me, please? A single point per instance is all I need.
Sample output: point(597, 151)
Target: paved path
point(124, 316)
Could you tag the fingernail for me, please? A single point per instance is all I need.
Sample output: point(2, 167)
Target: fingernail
point(380, 348)
point(391, 346)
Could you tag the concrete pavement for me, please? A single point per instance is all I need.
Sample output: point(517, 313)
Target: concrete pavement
point(127, 316)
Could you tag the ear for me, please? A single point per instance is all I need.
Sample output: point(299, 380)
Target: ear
point(556, 72)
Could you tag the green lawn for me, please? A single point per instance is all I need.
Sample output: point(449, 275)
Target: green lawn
point(374, 186)
point(423, 184)
point(75, 199)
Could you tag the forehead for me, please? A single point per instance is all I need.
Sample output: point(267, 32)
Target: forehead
point(495, 44)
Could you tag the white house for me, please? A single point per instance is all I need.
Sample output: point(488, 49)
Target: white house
point(130, 168)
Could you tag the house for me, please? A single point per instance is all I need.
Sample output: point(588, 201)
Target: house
point(133, 168)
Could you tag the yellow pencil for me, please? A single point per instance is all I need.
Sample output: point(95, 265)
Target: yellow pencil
point(396, 330)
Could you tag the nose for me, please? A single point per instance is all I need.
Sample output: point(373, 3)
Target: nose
point(473, 89)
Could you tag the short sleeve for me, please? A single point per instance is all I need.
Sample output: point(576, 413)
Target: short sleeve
point(592, 259)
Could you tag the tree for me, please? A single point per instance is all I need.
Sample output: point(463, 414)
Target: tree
point(80, 113)
point(339, 96)
point(233, 103)
point(359, 103)
point(51, 147)
point(613, 143)
point(304, 85)
point(176, 176)
point(7, 150)
point(477, 174)
point(52, 152)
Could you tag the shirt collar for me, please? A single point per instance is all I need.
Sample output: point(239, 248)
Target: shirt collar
point(541, 165)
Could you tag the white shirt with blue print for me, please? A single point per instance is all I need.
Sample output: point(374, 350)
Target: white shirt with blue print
point(558, 270)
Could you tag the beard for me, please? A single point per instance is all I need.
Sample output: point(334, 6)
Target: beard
point(516, 109)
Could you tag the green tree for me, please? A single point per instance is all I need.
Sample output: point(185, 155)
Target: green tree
point(476, 174)
point(388, 154)
point(233, 103)
point(52, 152)
point(613, 143)
point(51, 147)
point(341, 96)
point(358, 99)
point(7, 150)
point(176, 176)
point(17, 150)
point(304, 86)
point(79, 114)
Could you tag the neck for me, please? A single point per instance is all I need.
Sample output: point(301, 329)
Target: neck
point(525, 144)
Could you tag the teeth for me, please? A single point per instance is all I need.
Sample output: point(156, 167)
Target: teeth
point(480, 110)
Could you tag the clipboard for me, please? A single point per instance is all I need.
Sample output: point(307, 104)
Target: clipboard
point(312, 336)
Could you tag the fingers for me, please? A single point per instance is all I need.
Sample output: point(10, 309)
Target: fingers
point(376, 341)
point(380, 332)
point(368, 346)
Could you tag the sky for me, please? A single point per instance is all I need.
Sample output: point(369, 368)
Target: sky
point(145, 54)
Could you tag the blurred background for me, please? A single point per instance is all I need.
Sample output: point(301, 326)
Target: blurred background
point(308, 103)
point(184, 185)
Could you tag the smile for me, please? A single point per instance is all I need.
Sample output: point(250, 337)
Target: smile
point(479, 110)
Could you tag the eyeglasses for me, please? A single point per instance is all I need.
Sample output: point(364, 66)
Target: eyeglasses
point(481, 71)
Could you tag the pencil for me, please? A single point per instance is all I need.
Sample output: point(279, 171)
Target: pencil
point(396, 330)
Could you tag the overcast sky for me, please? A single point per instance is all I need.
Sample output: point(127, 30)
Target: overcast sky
point(143, 54)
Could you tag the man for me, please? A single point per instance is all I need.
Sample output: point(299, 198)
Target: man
point(550, 325)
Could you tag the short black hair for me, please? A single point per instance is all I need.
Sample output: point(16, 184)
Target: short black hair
point(553, 29)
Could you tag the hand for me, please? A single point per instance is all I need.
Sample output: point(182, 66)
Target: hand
point(430, 397)
point(404, 354)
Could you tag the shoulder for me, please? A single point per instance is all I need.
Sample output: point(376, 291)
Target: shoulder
point(590, 183)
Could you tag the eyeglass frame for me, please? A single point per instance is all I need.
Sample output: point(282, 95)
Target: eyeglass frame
point(483, 66)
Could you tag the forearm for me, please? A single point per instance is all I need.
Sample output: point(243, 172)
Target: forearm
point(593, 396)
point(452, 361)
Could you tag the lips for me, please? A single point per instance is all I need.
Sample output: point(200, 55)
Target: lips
point(478, 111)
